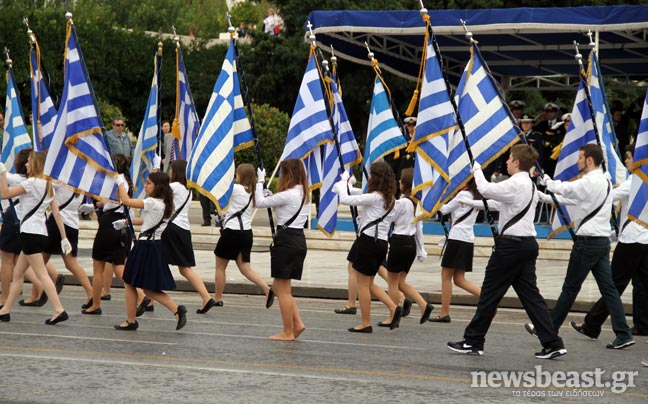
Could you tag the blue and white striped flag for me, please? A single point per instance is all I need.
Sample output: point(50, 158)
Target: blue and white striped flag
point(487, 122)
point(313, 164)
point(186, 124)
point(15, 136)
point(43, 108)
point(383, 134)
point(638, 203)
point(78, 155)
point(436, 117)
point(309, 125)
point(327, 215)
point(147, 141)
point(225, 129)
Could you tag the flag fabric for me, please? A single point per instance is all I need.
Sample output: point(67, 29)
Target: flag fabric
point(487, 122)
point(225, 129)
point(638, 203)
point(350, 152)
point(309, 125)
point(78, 155)
point(15, 136)
point(383, 134)
point(147, 141)
point(186, 124)
point(436, 118)
point(43, 108)
point(313, 164)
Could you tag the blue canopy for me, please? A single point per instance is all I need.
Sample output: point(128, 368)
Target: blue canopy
point(515, 42)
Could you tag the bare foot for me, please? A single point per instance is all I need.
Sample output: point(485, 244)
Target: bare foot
point(282, 336)
point(298, 332)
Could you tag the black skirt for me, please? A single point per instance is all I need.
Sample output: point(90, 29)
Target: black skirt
point(54, 238)
point(402, 252)
point(231, 243)
point(111, 245)
point(458, 255)
point(10, 232)
point(366, 255)
point(32, 243)
point(147, 268)
point(178, 247)
point(287, 254)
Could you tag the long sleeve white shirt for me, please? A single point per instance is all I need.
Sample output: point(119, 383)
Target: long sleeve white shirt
point(286, 204)
point(464, 230)
point(240, 198)
point(373, 209)
point(633, 232)
point(404, 223)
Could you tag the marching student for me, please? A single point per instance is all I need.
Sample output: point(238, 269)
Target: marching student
point(405, 244)
point(459, 249)
point(178, 247)
point(288, 252)
point(512, 262)
point(147, 267)
point(369, 250)
point(235, 241)
point(34, 195)
point(592, 199)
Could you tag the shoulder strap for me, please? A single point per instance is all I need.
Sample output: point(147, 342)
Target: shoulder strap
point(463, 217)
point(595, 211)
point(520, 215)
point(240, 213)
point(375, 223)
point(31, 212)
point(149, 233)
point(292, 219)
point(177, 211)
point(69, 201)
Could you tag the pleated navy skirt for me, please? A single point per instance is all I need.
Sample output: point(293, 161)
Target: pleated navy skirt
point(147, 268)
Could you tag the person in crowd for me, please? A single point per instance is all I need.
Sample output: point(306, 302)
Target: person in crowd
point(549, 137)
point(269, 22)
point(118, 141)
point(167, 142)
point(517, 108)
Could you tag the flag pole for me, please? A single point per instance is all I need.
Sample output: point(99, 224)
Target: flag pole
point(158, 67)
point(245, 93)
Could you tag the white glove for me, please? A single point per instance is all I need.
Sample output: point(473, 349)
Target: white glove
point(120, 179)
point(543, 180)
point(2, 168)
point(267, 193)
point(261, 174)
point(345, 176)
point(157, 161)
point(66, 247)
point(119, 224)
point(476, 166)
point(421, 256)
point(352, 181)
point(86, 208)
point(550, 184)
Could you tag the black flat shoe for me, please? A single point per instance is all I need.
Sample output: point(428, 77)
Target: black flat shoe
point(270, 299)
point(5, 318)
point(106, 297)
point(211, 303)
point(182, 317)
point(150, 308)
point(36, 303)
point(437, 319)
point(94, 312)
point(383, 324)
point(88, 304)
point(130, 327)
point(61, 317)
point(141, 308)
point(347, 310)
point(396, 319)
point(60, 281)
point(367, 330)
point(219, 303)
point(426, 313)
point(407, 306)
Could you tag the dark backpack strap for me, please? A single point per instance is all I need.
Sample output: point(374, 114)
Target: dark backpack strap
point(375, 223)
point(292, 219)
point(31, 212)
point(520, 215)
point(177, 212)
point(595, 211)
point(463, 217)
point(150, 233)
point(240, 213)
point(69, 201)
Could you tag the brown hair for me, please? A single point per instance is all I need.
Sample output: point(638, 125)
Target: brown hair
point(179, 171)
point(122, 166)
point(406, 177)
point(472, 187)
point(594, 151)
point(20, 163)
point(291, 173)
point(247, 178)
point(162, 191)
point(525, 154)
point(383, 181)
point(37, 164)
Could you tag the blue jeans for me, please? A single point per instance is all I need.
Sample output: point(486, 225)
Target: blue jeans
point(591, 255)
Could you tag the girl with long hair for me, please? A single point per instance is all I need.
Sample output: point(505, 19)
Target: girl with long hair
point(287, 255)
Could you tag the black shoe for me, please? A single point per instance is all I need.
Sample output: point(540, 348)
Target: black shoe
point(407, 306)
point(383, 324)
point(530, 329)
point(150, 307)
point(36, 303)
point(95, 312)
point(270, 299)
point(367, 330)
point(182, 317)
point(130, 327)
point(464, 347)
point(88, 304)
point(634, 330)
point(439, 319)
point(219, 303)
point(205, 224)
point(60, 281)
point(106, 297)
point(550, 352)
point(397, 317)
point(141, 308)
point(426, 313)
point(347, 310)
point(580, 328)
point(619, 343)
point(61, 317)
point(211, 303)
point(5, 318)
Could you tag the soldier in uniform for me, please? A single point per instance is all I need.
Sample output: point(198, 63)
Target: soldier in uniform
point(550, 137)
point(517, 108)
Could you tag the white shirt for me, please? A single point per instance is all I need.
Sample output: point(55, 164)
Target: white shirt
point(514, 195)
point(12, 180)
point(464, 230)
point(152, 213)
point(180, 194)
point(34, 188)
point(587, 193)
point(404, 223)
point(373, 209)
point(633, 232)
point(70, 213)
point(111, 205)
point(240, 198)
point(286, 204)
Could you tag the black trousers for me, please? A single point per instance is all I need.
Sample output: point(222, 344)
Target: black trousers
point(207, 208)
point(511, 264)
point(629, 262)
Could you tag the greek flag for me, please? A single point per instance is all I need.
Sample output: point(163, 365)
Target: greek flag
point(225, 128)
point(638, 203)
point(436, 117)
point(186, 124)
point(43, 108)
point(313, 165)
point(147, 141)
point(487, 122)
point(15, 136)
point(383, 134)
point(615, 167)
point(78, 155)
point(309, 125)
point(327, 215)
